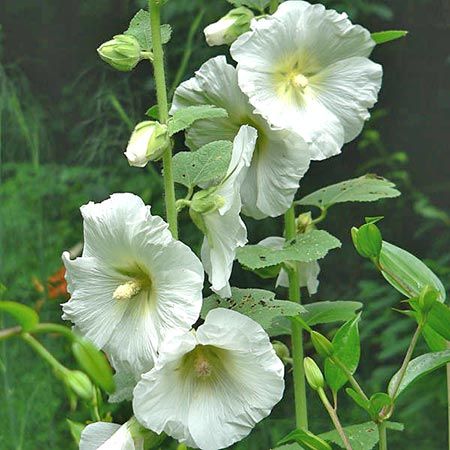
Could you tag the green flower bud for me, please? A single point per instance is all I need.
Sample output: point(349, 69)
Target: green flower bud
point(229, 27)
point(367, 240)
point(427, 298)
point(322, 345)
point(304, 223)
point(147, 143)
point(207, 201)
point(79, 383)
point(313, 374)
point(281, 350)
point(123, 52)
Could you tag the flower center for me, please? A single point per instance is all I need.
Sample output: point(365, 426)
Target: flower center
point(205, 363)
point(128, 290)
point(299, 81)
point(202, 366)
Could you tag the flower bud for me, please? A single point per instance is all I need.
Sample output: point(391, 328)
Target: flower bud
point(147, 143)
point(123, 52)
point(229, 27)
point(313, 374)
point(79, 383)
point(281, 350)
point(304, 222)
point(322, 345)
point(367, 240)
point(206, 201)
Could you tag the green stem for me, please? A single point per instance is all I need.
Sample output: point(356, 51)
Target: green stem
point(161, 96)
point(10, 332)
point(54, 328)
point(350, 377)
point(448, 402)
point(334, 418)
point(382, 443)
point(301, 408)
point(43, 353)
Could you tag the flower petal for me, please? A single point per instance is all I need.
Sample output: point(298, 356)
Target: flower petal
point(106, 436)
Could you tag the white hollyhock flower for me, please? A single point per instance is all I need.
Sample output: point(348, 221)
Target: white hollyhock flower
point(224, 229)
point(306, 68)
point(210, 387)
point(281, 157)
point(308, 272)
point(133, 282)
point(110, 436)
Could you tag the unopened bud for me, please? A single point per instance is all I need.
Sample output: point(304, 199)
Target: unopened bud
point(367, 240)
point(123, 52)
point(427, 298)
point(322, 345)
point(304, 223)
point(313, 374)
point(207, 201)
point(229, 27)
point(282, 351)
point(79, 383)
point(148, 142)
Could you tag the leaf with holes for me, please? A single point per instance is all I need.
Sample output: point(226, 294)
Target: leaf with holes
point(327, 312)
point(258, 304)
point(24, 315)
point(140, 28)
point(185, 117)
point(305, 247)
point(381, 37)
point(207, 164)
point(367, 188)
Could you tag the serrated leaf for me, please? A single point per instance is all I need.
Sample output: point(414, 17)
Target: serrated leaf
point(140, 28)
point(367, 188)
point(406, 273)
point(259, 5)
point(381, 37)
point(327, 312)
point(347, 350)
point(258, 304)
point(363, 436)
point(185, 117)
point(307, 439)
point(209, 163)
point(25, 316)
point(305, 247)
point(94, 363)
point(418, 368)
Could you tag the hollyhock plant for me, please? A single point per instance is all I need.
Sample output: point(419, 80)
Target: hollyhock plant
point(210, 387)
point(281, 157)
point(133, 282)
point(307, 69)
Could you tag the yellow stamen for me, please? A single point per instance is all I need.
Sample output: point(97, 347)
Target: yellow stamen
point(300, 81)
point(127, 290)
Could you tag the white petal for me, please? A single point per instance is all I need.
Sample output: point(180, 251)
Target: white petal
point(106, 436)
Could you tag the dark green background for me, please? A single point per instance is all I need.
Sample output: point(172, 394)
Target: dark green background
point(61, 144)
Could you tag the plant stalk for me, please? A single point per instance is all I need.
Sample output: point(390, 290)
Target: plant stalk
point(350, 377)
point(301, 407)
point(161, 96)
point(43, 353)
point(382, 443)
point(10, 332)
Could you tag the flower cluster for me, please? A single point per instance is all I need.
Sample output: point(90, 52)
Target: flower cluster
point(301, 89)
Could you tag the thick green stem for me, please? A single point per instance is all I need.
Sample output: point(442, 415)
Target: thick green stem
point(161, 96)
point(301, 408)
point(382, 443)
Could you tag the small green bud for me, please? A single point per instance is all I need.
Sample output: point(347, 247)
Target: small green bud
point(122, 52)
point(367, 240)
point(229, 27)
point(304, 222)
point(207, 201)
point(427, 298)
point(79, 383)
point(313, 374)
point(147, 143)
point(322, 345)
point(281, 350)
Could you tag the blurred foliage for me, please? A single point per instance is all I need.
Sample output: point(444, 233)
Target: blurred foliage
point(65, 118)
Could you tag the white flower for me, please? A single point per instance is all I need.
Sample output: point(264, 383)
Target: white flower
point(225, 231)
point(133, 282)
point(308, 272)
point(209, 388)
point(110, 436)
point(281, 157)
point(306, 68)
point(147, 143)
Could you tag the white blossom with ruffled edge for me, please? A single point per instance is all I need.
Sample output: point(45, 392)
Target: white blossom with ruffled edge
point(308, 271)
point(209, 388)
point(281, 157)
point(110, 436)
point(133, 282)
point(306, 68)
point(225, 230)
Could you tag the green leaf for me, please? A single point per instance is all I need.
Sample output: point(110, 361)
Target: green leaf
point(418, 368)
point(377, 402)
point(257, 304)
point(75, 429)
point(307, 439)
point(94, 363)
point(327, 312)
point(435, 342)
point(25, 316)
point(358, 399)
point(207, 164)
point(185, 117)
point(259, 5)
point(363, 436)
point(153, 112)
point(347, 350)
point(406, 273)
point(439, 320)
point(367, 188)
point(380, 37)
point(140, 28)
point(307, 247)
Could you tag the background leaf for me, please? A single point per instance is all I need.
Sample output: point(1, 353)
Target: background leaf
point(307, 439)
point(327, 312)
point(259, 5)
point(25, 316)
point(380, 37)
point(185, 117)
